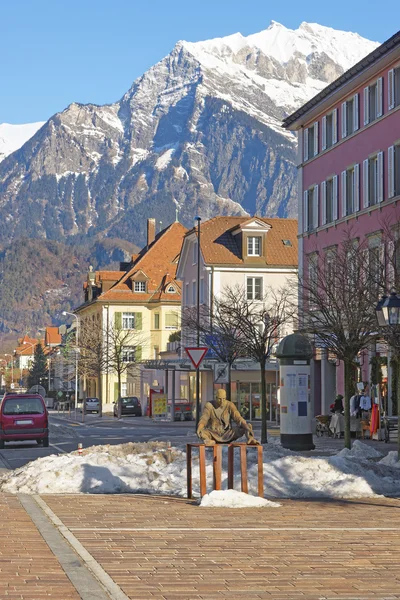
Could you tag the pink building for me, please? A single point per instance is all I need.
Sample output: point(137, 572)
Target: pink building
point(349, 174)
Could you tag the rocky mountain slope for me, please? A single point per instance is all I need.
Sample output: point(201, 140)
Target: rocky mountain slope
point(198, 133)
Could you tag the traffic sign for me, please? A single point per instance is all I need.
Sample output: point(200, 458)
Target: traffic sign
point(196, 355)
point(221, 373)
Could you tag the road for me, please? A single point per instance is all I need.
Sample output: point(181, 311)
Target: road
point(65, 435)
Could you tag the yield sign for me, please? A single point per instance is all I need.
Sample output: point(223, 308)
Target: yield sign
point(196, 355)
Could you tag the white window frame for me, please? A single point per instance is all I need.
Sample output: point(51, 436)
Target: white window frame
point(128, 354)
point(393, 159)
point(354, 173)
point(252, 242)
point(371, 115)
point(251, 294)
point(345, 116)
point(139, 287)
point(394, 87)
point(171, 289)
point(325, 130)
point(128, 320)
point(172, 327)
point(325, 200)
point(310, 133)
point(378, 158)
point(314, 203)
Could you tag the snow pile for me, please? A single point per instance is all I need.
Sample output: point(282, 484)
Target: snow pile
point(391, 460)
point(154, 468)
point(234, 499)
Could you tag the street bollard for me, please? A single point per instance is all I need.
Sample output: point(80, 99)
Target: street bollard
point(80, 448)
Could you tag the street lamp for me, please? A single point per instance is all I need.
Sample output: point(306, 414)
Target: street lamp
point(388, 315)
point(12, 370)
point(32, 346)
point(198, 219)
point(65, 313)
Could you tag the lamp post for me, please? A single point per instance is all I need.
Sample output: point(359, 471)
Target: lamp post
point(198, 219)
point(388, 316)
point(65, 313)
point(12, 370)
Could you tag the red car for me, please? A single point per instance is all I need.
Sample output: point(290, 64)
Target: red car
point(23, 417)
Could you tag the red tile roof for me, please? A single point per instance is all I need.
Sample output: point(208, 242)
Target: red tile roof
point(158, 263)
point(219, 246)
point(52, 336)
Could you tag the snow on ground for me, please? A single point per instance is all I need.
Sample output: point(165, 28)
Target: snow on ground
point(234, 499)
point(154, 468)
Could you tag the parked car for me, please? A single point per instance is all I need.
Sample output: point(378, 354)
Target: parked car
point(23, 417)
point(92, 405)
point(130, 406)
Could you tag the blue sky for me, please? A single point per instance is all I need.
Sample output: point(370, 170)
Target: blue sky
point(53, 52)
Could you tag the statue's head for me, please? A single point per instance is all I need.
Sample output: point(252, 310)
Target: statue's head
point(220, 396)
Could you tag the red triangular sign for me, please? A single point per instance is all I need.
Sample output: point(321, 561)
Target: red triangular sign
point(196, 355)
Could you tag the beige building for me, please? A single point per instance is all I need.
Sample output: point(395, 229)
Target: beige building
point(142, 302)
point(255, 254)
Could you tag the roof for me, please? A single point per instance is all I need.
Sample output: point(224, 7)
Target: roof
point(220, 247)
point(26, 346)
point(108, 275)
point(366, 62)
point(53, 337)
point(158, 263)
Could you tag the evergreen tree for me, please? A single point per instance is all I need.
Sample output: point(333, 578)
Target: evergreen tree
point(38, 373)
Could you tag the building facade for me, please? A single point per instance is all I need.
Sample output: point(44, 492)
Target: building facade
point(349, 178)
point(251, 254)
point(140, 303)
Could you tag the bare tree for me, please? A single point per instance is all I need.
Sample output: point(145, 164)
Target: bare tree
point(93, 358)
point(123, 353)
point(338, 296)
point(259, 324)
point(219, 330)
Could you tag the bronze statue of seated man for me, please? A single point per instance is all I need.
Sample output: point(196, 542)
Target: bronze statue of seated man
point(221, 423)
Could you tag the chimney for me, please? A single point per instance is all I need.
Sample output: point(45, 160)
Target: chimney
point(151, 231)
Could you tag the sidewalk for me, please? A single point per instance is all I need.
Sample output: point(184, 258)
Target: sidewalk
point(162, 548)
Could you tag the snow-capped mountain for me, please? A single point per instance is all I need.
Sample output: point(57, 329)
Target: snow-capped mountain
point(198, 133)
point(13, 137)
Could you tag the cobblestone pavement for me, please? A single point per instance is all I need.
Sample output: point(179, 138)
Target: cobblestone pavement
point(168, 549)
point(28, 568)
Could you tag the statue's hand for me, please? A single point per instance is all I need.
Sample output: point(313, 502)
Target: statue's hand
point(253, 442)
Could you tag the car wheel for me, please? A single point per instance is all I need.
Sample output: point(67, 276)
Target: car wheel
point(1, 444)
point(46, 442)
point(40, 442)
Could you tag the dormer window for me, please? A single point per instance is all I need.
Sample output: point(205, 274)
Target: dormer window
point(171, 289)
point(140, 286)
point(254, 246)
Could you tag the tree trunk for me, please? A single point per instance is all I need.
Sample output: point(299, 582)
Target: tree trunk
point(100, 388)
point(229, 386)
point(348, 392)
point(263, 405)
point(119, 396)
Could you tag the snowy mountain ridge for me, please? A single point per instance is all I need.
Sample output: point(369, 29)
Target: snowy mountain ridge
point(200, 130)
point(13, 137)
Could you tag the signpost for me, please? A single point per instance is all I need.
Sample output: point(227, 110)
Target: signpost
point(221, 373)
point(196, 355)
point(160, 405)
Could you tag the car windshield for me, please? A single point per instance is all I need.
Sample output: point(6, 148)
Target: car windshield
point(23, 406)
point(92, 399)
point(132, 400)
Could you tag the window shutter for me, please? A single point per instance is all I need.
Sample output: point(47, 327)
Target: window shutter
point(138, 353)
point(118, 320)
point(315, 207)
point(391, 89)
point(356, 119)
point(315, 138)
point(323, 202)
point(366, 105)
point(365, 184)
point(391, 172)
point(356, 184)
point(323, 134)
point(305, 144)
point(379, 97)
point(344, 190)
point(334, 126)
point(390, 259)
point(335, 194)
point(380, 177)
point(138, 321)
point(305, 212)
point(344, 124)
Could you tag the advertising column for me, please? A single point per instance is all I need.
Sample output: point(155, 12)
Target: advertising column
point(294, 353)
